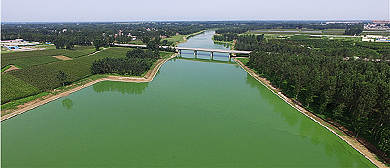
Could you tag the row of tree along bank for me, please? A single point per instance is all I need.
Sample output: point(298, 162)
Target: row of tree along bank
point(354, 92)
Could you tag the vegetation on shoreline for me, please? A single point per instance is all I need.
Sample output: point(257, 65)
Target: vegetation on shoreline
point(316, 73)
point(40, 78)
point(14, 104)
point(136, 62)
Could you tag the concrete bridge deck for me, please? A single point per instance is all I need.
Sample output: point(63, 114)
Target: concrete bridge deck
point(188, 48)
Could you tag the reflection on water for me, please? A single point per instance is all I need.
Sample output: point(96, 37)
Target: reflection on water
point(289, 117)
point(122, 87)
point(230, 61)
point(307, 130)
point(226, 45)
point(67, 103)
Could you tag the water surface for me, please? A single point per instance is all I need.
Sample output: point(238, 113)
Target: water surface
point(195, 112)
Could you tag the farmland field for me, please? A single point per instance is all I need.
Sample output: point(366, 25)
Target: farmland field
point(298, 31)
point(376, 32)
point(111, 53)
point(40, 74)
point(74, 68)
point(80, 51)
point(13, 88)
point(27, 59)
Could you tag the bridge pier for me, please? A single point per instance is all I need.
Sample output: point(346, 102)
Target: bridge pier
point(195, 53)
point(211, 56)
point(179, 51)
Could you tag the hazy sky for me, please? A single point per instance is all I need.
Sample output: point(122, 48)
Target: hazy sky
point(194, 10)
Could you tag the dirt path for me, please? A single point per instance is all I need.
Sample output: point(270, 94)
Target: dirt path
point(97, 52)
point(61, 57)
point(349, 139)
point(10, 69)
point(41, 101)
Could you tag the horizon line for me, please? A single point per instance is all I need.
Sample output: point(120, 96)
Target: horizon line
point(319, 20)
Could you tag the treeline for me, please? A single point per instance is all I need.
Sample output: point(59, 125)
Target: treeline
point(136, 62)
point(86, 33)
point(236, 30)
point(355, 93)
point(248, 42)
point(242, 27)
point(339, 49)
point(354, 29)
point(351, 49)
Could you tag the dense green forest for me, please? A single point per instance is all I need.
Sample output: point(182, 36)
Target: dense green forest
point(225, 37)
point(135, 63)
point(315, 72)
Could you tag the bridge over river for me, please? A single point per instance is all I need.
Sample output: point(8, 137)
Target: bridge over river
point(193, 49)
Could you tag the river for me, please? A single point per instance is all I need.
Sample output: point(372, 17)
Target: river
point(195, 112)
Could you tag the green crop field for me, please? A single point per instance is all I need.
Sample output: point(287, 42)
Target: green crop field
point(79, 51)
point(32, 80)
point(40, 76)
point(76, 69)
point(13, 88)
point(297, 31)
point(111, 53)
point(27, 59)
point(376, 32)
point(176, 39)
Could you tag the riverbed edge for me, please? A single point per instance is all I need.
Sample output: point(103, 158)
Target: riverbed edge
point(353, 142)
point(147, 78)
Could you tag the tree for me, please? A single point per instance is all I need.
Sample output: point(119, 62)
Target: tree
point(145, 39)
point(59, 42)
point(62, 76)
point(69, 45)
point(136, 53)
point(97, 43)
point(355, 30)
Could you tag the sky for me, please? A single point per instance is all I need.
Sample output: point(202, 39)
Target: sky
point(194, 10)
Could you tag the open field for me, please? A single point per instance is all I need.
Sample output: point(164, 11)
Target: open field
point(176, 39)
point(37, 57)
point(14, 88)
point(337, 34)
point(111, 53)
point(298, 31)
point(376, 32)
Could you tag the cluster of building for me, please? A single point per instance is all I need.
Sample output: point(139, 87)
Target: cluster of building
point(378, 25)
point(375, 28)
point(121, 34)
point(344, 22)
point(17, 44)
point(375, 38)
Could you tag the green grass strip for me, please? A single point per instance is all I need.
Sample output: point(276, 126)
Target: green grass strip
point(16, 103)
point(5, 68)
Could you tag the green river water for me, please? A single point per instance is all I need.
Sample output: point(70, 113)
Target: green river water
point(196, 112)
